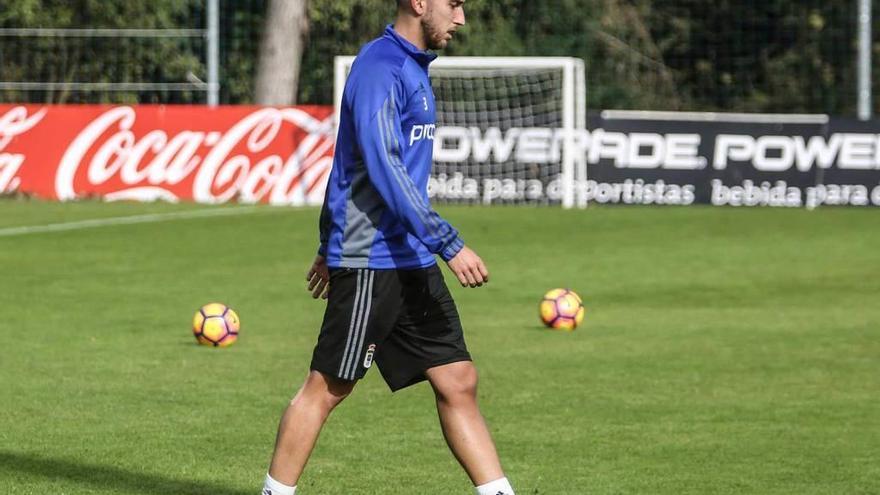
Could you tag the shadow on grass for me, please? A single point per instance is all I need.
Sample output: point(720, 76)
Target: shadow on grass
point(108, 477)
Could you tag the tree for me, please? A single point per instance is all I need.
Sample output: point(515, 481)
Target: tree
point(281, 51)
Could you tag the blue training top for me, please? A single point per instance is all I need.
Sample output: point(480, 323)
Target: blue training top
point(376, 212)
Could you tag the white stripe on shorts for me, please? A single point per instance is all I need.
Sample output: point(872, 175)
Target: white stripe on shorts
point(354, 313)
point(362, 332)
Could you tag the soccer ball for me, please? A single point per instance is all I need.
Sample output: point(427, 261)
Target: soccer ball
point(562, 309)
point(215, 324)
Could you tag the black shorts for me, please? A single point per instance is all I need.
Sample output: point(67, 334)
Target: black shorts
point(404, 320)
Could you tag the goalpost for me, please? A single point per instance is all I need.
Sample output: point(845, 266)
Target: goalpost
point(509, 129)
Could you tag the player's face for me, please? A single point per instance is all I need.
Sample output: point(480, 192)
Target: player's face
point(442, 18)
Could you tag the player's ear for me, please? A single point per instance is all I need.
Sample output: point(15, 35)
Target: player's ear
point(418, 6)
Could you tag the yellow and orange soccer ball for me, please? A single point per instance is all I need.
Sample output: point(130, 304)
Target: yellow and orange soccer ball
point(562, 309)
point(216, 325)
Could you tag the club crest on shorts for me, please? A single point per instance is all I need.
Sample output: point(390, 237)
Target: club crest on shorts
point(368, 359)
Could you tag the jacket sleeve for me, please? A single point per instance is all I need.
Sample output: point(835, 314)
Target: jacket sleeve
point(380, 139)
point(324, 228)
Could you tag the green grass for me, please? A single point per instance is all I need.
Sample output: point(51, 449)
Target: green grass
point(724, 351)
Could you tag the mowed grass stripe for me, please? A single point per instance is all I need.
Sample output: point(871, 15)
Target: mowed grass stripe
point(127, 220)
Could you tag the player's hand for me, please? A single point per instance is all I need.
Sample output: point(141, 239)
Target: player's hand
point(469, 268)
point(319, 278)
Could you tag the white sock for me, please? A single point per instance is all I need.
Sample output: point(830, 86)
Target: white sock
point(497, 487)
point(274, 487)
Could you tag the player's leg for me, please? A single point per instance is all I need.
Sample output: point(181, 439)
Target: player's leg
point(465, 431)
point(361, 307)
point(302, 422)
point(427, 342)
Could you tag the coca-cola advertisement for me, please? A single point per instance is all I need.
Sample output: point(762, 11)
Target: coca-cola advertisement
point(279, 156)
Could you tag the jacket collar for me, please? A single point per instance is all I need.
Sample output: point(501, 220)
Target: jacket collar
point(423, 57)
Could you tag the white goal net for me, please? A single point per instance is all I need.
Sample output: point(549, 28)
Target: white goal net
point(507, 129)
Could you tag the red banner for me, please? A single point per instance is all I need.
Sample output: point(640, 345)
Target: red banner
point(280, 156)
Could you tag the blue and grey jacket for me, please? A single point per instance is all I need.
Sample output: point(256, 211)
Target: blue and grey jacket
point(376, 212)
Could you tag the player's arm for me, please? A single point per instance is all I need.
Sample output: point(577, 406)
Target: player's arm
point(380, 137)
point(324, 227)
point(318, 276)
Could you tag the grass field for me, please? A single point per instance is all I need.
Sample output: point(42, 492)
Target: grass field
point(724, 351)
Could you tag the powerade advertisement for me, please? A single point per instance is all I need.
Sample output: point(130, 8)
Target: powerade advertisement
point(743, 162)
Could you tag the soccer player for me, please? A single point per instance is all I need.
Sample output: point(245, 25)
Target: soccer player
point(376, 262)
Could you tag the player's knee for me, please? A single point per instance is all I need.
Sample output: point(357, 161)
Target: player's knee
point(329, 401)
point(325, 390)
point(337, 393)
point(461, 386)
